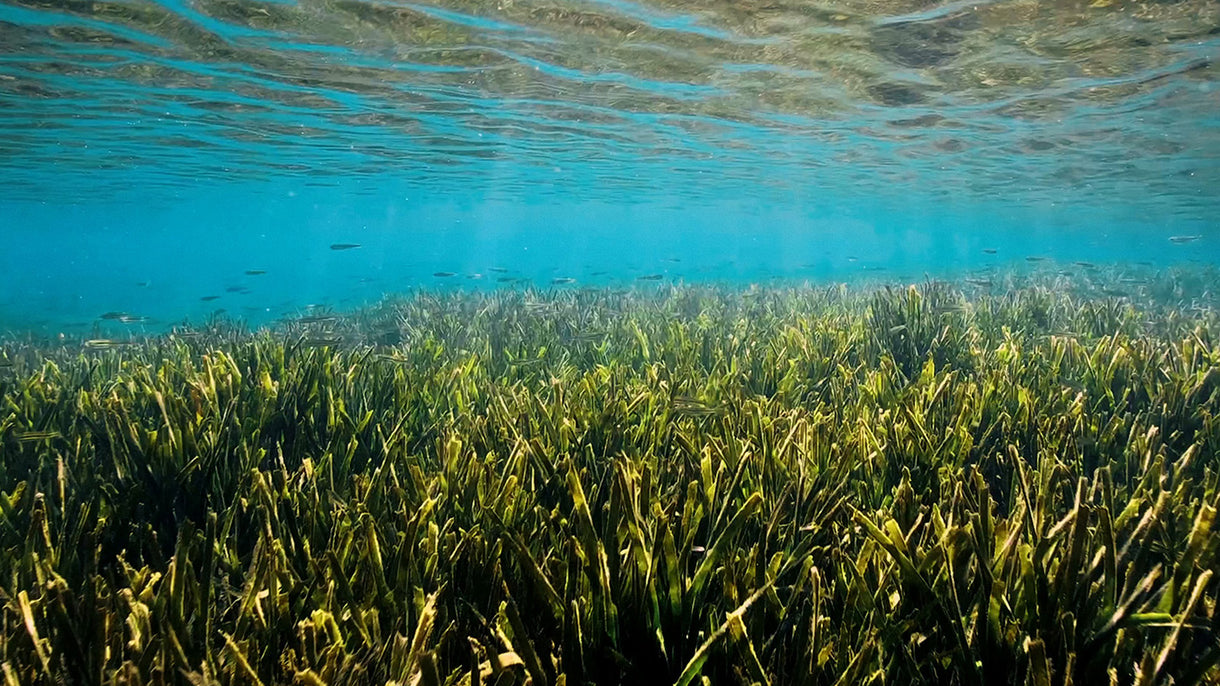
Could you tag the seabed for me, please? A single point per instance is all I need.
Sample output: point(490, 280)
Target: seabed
point(1007, 480)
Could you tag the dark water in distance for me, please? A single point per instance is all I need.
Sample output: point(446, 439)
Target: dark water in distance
point(151, 153)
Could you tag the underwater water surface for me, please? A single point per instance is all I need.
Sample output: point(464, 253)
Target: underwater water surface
point(153, 153)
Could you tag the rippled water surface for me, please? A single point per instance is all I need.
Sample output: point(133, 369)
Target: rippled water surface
point(162, 143)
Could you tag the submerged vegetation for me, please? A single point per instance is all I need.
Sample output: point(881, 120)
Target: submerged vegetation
point(680, 486)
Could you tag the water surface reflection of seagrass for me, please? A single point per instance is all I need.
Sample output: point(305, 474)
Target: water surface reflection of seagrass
point(1064, 101)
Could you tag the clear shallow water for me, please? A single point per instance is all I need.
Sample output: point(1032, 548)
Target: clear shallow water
point(152, 153)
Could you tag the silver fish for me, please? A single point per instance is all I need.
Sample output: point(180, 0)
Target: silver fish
point(31, 436)
point(106, 343)
point(691, 407)
point(321, 341)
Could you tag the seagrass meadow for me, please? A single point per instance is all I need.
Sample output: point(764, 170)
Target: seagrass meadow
point(923, 484)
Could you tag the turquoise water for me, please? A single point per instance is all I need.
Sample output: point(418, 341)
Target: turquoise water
point(153, 153)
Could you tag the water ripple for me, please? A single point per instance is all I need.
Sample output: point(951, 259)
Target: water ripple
point(1016, 99)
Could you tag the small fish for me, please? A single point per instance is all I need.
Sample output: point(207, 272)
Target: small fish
point(1085, 265)
point(210, 298)
point(317, 319)
point(114, 315)
point(1035, 258)
point(1184, 239)
point(955, 308)
point(591, 336)
point(143, 284)
point(599, 273)
point(541, 308)
point(1144, 263)
point(650, 277)
point(982, 283)
point(989, 251)
point(474, 276)
point(443, 275)
point(106, 343)
point(505, 279)
point(672, 259)
point(386, 337)
point(6, 364)
point(344, 246)
point(395, 358)
point(898, 329)
point(320, 341)
point(237, 289)
point(132, 319)
point(558, 281)
point(527, 362)
point(31, 436)
point(691, 407)
point(255, 272)
point(1114, 292)
point(852, 258)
